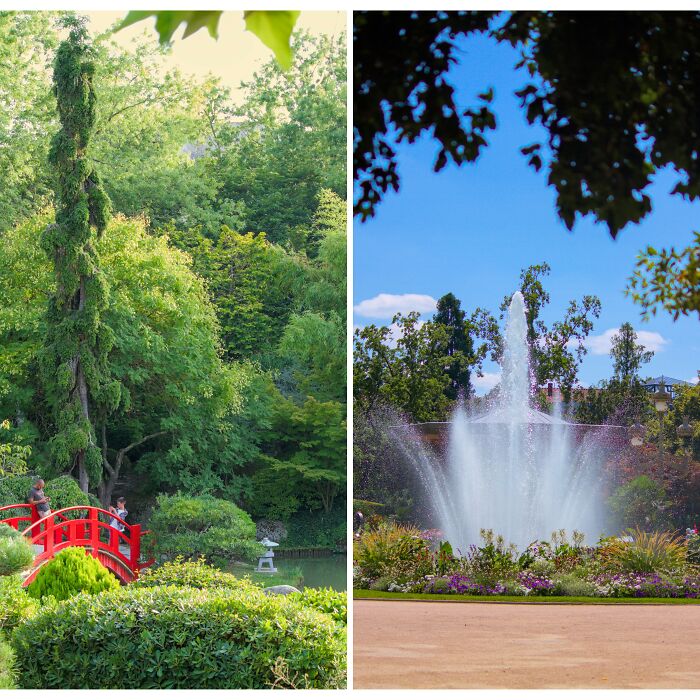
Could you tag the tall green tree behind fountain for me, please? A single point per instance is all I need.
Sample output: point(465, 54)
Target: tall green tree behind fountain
point(73, 361)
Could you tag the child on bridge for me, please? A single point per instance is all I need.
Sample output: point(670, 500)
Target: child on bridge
point(119, 511)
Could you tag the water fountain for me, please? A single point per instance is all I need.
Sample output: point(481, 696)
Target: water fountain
point(515, 470)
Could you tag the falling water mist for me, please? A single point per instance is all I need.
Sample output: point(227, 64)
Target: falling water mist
point(514, 470)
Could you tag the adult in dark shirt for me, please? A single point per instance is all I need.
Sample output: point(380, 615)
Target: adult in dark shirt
point(37, 498)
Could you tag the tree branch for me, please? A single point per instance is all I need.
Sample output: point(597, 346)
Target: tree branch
point(105, 461)
point(126, 449)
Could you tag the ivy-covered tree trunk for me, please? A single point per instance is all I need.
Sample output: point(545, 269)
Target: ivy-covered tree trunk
point(74, 358)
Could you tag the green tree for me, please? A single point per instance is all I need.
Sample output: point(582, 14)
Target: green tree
point(148, 120)
point(614, 402)
point(403, 366)
point(628, 356)
point(288, 140)
point(592, 110)
point(27, 45)
point(642, 503)
point(74, 357)
point(308, 441)
point(622, 400)
point(174, 420)
point(459, 345)
point(13, 454)
point(668, 279)
point(557, 350)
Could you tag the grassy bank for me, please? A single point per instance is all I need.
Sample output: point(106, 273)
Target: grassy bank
point(534, 600)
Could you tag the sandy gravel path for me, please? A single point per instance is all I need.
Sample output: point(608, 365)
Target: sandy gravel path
point(406, 644)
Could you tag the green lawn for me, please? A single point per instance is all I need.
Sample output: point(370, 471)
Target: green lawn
point(536, 600)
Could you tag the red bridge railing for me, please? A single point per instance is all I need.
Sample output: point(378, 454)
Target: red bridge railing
point(119, 551)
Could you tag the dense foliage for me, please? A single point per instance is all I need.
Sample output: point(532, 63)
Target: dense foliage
point(8, 669)
point(16, 555)
point(178, 637)
point(73, 570)
point(15, 605)
point(64, 492)
point(222, 333)
point(326, 600)
point(76, 343)
point(202, 526)
point(193, 573)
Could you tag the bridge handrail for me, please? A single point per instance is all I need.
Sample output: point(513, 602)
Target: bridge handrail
point(17, 505)
point(59, 513)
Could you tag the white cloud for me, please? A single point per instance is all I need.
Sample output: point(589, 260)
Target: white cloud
point(601, 344)
point(694, 380)
point(386, 305)
point(487, 382)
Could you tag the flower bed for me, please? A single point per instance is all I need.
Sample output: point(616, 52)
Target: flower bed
point(636, 565)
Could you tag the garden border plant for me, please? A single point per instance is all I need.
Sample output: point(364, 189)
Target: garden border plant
point(657, 566)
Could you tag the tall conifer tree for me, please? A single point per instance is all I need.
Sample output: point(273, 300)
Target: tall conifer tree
point(73, 360)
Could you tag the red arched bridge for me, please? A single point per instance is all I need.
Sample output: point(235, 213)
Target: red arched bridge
point(79, 526)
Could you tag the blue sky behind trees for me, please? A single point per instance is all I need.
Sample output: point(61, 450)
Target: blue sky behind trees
point(470, 231)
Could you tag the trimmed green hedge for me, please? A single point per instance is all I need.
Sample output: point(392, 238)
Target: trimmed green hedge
point(194, 574)
point(177, 637)
point(70, 572)
point(211, 527)
point(333, 603)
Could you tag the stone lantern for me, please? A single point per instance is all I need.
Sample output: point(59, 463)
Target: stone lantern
point(636, 433)
point(266, 564)
point(684, 430)
point(661, 397)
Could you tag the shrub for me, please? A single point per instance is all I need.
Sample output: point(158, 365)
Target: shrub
point(381, 584)
point(640, 503)
point(173, 637)
point(8, 532)
point(202, 525)
point(542, 567)
point(15, 605)
point(70, 572)
point(333, 603)
point(493, 561)
point(8, 666)
point(195, 574)
point(16, 555)
point(693, 549)
point(393, 550)
point(568, 584)
point(647, 553)
point(641, 585)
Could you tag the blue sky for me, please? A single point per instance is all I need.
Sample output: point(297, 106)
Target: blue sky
point(470, 231)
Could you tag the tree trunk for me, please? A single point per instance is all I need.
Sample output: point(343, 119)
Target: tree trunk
point(81, 385)
point(105, 489)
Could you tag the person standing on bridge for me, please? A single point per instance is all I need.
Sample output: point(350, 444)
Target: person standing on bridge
point(119, 511)
point(37, 498)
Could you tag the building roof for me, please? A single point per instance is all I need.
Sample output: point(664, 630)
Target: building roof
point(656, 381)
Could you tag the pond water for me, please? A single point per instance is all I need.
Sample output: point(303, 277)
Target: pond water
point(317, 572)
